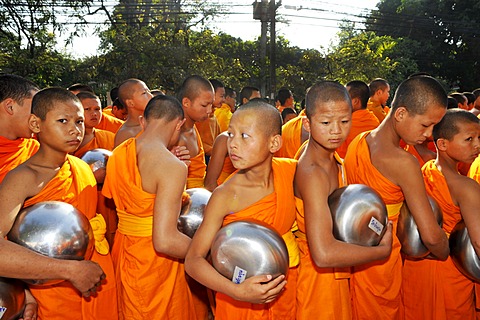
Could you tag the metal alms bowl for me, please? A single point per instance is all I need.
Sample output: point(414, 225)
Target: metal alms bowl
point(462, 252)
point(243, 249)
point(359, 215)
point(54, 229)
point(407, 231)
point(191, 215)
point(12, 299)
point(96, 158)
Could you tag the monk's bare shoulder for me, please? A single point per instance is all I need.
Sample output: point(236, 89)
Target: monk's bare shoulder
point(463, 188)
point(24, 180)
point(396, 164)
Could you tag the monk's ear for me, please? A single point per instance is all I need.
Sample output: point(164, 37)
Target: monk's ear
point(180, 123)
point(7, 105)
point(400, 114)
point(186, 102)
point(276, 143)
point(442, 144)
point(34, 123)
point(143, 122)
point(306, 124)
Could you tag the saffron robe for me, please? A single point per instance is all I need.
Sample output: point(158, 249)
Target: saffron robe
point(75, 184)
point(15, 152)
point(227, 170)
point(322, 293)
point(150, 285)
point(102, 139)
point(197, 167)
point(376, 286)
point(362, 120)
point(223, 115)
point(474, 171)
point(377, 109)
point(209, 129)
point(436, 289)
point(110, 123)
point(278, 210)
point(291, 137)
point(413, 151)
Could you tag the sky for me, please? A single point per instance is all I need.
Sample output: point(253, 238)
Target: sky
point(308, 24)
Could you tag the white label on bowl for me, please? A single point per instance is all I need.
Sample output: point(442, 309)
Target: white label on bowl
point(376, 226)
point(2, 311)
point(239, 275)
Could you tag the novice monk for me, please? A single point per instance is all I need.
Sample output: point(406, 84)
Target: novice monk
point(220, 165)
point(196, 95)
point(376, 159)
point(261, 189)
point(147, 181)
point(16, 145)
point(379, 94)
point(53, 175)
point(323, 290)
point(294, 135)
point(437, 289)
point(133, 94)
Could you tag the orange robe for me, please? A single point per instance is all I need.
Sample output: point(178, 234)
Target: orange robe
point(150, 285)
point(413, 151)
point(105, 140)
point(376, 287)
point(197, 167)
point(438, 284)
point(223, 115)
point(474, 171)
point(209, 130)
point(15, 152)
point(108, 111)
point(110, 123)
point(314, 300)
point(75, 184)
point(227, 170)
point(362, 120)
point(277, 210)
point(377, 109)
point(291, 137)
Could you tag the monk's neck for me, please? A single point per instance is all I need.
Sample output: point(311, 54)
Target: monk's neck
point(447, 165)
point(48, 158)
point(386, 132)
point(188, 125)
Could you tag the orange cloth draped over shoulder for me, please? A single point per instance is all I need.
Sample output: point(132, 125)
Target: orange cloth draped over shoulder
point(314, 300)
point(109, 123)
point(223, 115)
point(377, 109)
point(150, 285)
point(102, 139)
point(227, 170)
point(197, 167)
point(376, 287)
point(75, 184)
point(15, 152)
point(362, 120)
point(108, 111)
point(291, 137)
point(209, 129)
point(474, 171)
point(277, 210)
point(436, 289)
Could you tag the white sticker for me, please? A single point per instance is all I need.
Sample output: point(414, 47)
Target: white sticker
point(239, 275)
point(376, 226)
point(2, 311)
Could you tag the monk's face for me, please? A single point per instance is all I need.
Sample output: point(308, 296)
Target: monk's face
point(63, 127)
point(219, 97)
point(465, 145)
point(248, 145)
point(330, 124)
point(92, 112)
point(415, 129)
point(140, 96)
point(120, 113)
point(199, 108)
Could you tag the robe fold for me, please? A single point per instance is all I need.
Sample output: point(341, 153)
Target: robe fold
point(377, 109)
point(291, 137)
point(314, 301)
point(15, 152)
point(108, 111)
point(150, 285)
point(197, 167)
point(362, 120)
point(223, 115)
point(75, 184)
point(437, 289)
point(209, 130)
point(376, 286)
point(110, 123)
point(278, 210)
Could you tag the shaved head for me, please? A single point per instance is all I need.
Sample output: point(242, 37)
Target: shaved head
point(447, 128)
point(192, 87)
point(268, 117)
point(125, 89)
point(418, 93)
point(324, 92)
point(163, 107)
point(46, 100)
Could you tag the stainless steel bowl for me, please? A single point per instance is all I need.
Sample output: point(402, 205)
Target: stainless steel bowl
point(407, 231)
point(191, 215)
point(243, 249)
point(359, 215)
point(55, 229)
point(97, 158)
point(462, 252)
point(12, 299)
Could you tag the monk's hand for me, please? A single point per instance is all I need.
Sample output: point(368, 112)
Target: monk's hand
point(182, 153)
point(100, 174)
point(31, 307)
point(87, 277)
point(261, 289)
point(387, 239)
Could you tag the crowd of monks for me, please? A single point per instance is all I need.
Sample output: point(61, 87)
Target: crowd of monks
point(274, 164)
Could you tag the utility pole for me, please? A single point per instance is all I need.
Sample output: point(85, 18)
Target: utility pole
point(273, 56)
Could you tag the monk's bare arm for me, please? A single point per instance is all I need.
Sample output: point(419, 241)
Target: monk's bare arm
point(254, 289)
point(215, 166)
point(19, 262)
point(313, 187)
point(467, 193)
point(409, 177)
